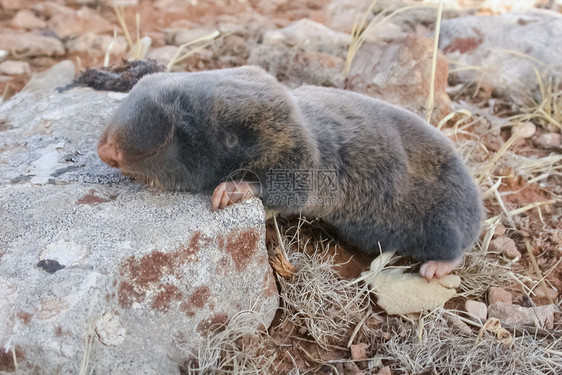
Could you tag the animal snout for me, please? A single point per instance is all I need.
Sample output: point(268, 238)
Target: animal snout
point(110, 155)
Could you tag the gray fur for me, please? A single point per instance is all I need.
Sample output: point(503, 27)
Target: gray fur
point(398, 180)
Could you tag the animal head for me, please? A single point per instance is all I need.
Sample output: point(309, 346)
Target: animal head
point(189, 131)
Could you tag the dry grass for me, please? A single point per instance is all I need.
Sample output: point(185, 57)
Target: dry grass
point(430, 98)
point(325, 307)
point(137, 49)
point(238, 347)
point(206, 41)
point(335, 313)
point(438, 350)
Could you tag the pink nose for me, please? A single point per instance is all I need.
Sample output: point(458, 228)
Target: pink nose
point(109, 155)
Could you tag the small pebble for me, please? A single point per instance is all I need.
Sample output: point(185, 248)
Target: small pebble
point(505, 246)
point(497, 294)
point(549, 140)
point(477, 309)
point(359, 351)
point(499, 230)
point(526, 130)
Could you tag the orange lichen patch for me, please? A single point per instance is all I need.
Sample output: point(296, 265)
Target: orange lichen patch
point(127, 294)
point(212, 322)
point(91, 199)
point(61, 332)
point(149, 268)
point(464, 44)
point(223, 266)
point(7, 364)
point(184, 306)
point(146, 272)
point(168, 294)
point(220, 241)
point(241, 246)
point(198, 241)
point(24, 316)
point(200, 297)
point(197, 300)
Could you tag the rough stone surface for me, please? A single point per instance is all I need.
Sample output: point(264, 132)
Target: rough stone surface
point(497, 294)
point(343, 13)
point(92, 42)
point(477, 309)
point(549, 141)
point(87, 254)
point(309, 34)
point(404, 293)
point(162, 55)
point(505, 246)
point(487, 41)
point(399, 72)
point(50, 9)
point(517, 316)
point(30, 45)
point(304, 52)
point(14, 4)
point(25, 19)
point(13, 68)
point(79, 22)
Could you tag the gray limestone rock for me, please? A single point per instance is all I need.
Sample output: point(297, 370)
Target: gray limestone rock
point(94, 266)
point(502, 52)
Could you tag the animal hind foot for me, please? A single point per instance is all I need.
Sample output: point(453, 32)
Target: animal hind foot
point(439, 268)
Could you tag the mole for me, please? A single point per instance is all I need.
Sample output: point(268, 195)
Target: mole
point(381, 176)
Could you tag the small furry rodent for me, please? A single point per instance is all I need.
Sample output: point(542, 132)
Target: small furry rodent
point(377, 173)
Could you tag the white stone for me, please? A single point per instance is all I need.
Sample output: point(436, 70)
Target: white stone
point(526, 130)
point(29, 45)
point(476, 309)
point(13, 68)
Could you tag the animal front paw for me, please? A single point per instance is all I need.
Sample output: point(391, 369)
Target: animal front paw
point(439, 268)
point(228, 193)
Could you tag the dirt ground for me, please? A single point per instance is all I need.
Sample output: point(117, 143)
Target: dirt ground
point(522, 200)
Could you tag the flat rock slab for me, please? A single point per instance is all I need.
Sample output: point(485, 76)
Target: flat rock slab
point(90, 258)
point(502, 52)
